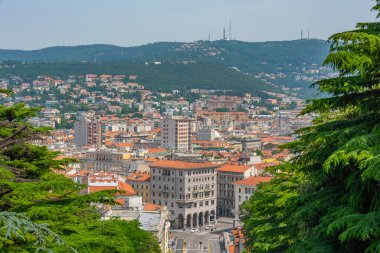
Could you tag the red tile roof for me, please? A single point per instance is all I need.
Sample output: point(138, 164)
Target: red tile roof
point(252, 181)
point(136, 176)
point(234, 168)
point(151, 207)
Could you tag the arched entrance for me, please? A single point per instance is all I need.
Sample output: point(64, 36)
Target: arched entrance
point(195, 220)
point(188, 220)
point(207, 217)
point(180, 221)
point(212, 217)
point(200, 218)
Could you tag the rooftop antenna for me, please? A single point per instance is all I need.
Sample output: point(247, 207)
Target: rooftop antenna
point(230, 31)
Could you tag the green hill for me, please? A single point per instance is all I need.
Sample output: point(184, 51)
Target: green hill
point(251, 57)
point(161, 77)
point(287, 58)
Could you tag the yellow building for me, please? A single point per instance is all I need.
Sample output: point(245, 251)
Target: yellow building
point(140, 183)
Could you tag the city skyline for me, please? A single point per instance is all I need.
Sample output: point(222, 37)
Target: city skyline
point(38, 24)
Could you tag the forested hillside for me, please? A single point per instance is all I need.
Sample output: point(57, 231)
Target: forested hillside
point(163, 77)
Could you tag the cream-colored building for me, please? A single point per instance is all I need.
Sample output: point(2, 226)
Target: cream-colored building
point(228, 174)
point(104, 161)
point(187, 189)
point(243, 189)
point(175, 133)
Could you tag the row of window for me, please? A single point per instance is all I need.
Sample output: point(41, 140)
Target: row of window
point(189, 173)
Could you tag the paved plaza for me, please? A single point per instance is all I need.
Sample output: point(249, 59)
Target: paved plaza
point(201, 241)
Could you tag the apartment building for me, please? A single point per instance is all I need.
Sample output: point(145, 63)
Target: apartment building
point(104, 161)
point(87, 131)
point(187, 189)
point(140, 182)
point(226, 175)
point(175, 133)
point(243, 189)
point(219, 117)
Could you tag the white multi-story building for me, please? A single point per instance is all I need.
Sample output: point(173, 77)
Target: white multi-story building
point(105, 161)
point(87, 130)
point(228, 174)
point(187, 189)
point(175, 133)
point(244, 189)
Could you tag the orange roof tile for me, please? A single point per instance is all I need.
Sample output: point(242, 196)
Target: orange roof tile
point(252, 181)
point(92, 189)
point(170, 164)
point(234, 168)
point(152, 207)
point(136, 176)
point(155, 150)
point(127, 188)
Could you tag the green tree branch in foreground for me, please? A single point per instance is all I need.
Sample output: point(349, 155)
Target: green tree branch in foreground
point(327, 199)
point(41, 211)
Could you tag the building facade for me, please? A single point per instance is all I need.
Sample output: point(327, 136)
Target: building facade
point(187, 189)
point(243, 189)
point(228, 174)
point(104, 161)
point(175, 133)
point(87, 130)
point(140, 182)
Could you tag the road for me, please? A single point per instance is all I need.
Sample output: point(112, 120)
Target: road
point(202, 241)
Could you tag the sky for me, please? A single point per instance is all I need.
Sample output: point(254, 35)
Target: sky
point(34, 24)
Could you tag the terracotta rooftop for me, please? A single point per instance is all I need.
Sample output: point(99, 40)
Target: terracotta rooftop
point(127, 188)
point(135, 176)
point(252, 181)
point(151, 207)
point(234, 168)
point(92, 189)
point(181, 165)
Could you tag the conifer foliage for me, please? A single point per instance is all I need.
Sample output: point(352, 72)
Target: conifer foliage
point(41, 211)
point(327, 199)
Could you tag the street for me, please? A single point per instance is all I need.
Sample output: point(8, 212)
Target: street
point(202, 241)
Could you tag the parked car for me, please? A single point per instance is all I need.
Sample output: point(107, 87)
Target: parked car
point(193, 230)
point(212, 227)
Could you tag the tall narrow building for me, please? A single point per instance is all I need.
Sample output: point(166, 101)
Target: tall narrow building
point(87, 131)
point(175, 133)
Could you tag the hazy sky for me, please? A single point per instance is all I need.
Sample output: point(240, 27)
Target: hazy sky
point(32, 24)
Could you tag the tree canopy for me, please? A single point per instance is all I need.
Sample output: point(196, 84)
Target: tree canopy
point(327, 198)
point(42, 211)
